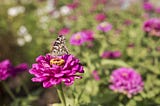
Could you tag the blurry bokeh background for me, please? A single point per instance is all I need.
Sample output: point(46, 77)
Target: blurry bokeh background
point(28, 27)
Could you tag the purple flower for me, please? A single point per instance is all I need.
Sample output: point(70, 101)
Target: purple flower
point(152, 26)
point(64, 31)
point(148, 6)
point(111, 54)
point(53, 70)
point(88, 35)
point(20, 68)
point(127, 81)
point(157, 10)
point(77, 38)
point(5, 69)
point(104, 26)
point(8, 70)
point(95, 75)
point(100, 17)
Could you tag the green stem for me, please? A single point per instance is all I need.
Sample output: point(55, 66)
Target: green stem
point(8, 90)
point(61, 94)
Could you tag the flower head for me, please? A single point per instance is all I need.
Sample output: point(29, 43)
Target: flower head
point(88, 35)
point(77, 38)
point(148, 6)
point(52, 70)
point(152, 26)
point(8, 70)
point(64, 31)
point(5, 69)
point(111, 54)
point(100, 17)
point(127, 81)
point(95, 75)
point(104, 26)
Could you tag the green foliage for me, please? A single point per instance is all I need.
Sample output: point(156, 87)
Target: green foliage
point(86, 92)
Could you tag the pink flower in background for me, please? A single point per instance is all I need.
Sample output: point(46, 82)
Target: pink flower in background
point(147, 6)
point(88, 35)
point(157, 10)
point(53, 70)
point(127, 22)
point(20, 68)
point(152, 26)
point(8, 70)
point(73, 5)
point(77, 38)
point(64, 31)
point(111, 54)
point(95, 75)
point(104, 26)
point(5, 69)
point(100, 17)
point(126, 81)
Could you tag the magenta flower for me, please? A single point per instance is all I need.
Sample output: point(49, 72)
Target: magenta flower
point(73, 5)
point(77, 38)
point(53, 70)
point(100, 17)
point(88, 35)
point(147, 6)
point(127, 81)
point(8, 70)
point(111, 54)
point(20, 68)
point(104, 26)
point(64, 31)
point(157, 10)
point(95, 75)
point(152, 26)
point(5, 69)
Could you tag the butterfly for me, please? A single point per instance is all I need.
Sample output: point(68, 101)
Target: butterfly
point(58, 47)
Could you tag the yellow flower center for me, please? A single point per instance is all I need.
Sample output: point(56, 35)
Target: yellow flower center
point(104, 24)
point(124, 74)
point(57, 61)
point(78, 36)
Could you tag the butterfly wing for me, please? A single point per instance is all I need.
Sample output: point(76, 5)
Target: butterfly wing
point(58, 47)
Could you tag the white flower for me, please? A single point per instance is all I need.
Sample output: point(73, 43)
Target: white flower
point(20, 41)
point(28, 38)
point(14, 11)
point(65, 10)
point(22, 31)
point(56, 14)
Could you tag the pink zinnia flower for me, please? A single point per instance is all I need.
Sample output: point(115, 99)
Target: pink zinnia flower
point(77, 39)
point(73, 5)
point(148, 6)
point(8, 70)
point(52, 70)
point(88, 35)
point(64, 31)
point(157, 10)
point(95, 75)
point(152, 26)
point(126, 81)
point(100, 17)
point(111, 54)
point(5, 69)
point(104, 26)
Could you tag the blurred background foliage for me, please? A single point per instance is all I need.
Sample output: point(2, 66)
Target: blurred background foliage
point(27, 28)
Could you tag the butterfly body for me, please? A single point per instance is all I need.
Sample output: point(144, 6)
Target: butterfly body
point(58, 47)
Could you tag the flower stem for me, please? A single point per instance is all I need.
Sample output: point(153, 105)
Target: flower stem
point(61, 94)
point(8, 90)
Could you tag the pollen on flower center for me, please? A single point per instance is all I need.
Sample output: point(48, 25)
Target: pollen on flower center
point(124, 74)
point(78, 36)
point(57, 61)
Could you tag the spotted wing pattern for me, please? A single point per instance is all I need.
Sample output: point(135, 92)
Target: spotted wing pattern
point(58, 47)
